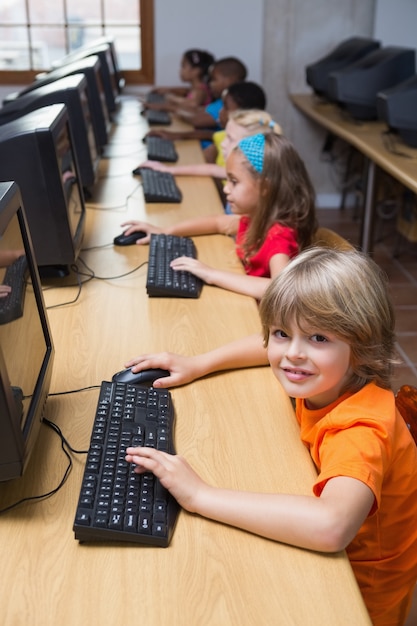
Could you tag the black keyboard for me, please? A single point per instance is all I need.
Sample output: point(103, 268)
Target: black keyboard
point(159, 186)
point(162, 280)
point(160, 149)
point(155, 98)
point(162, 118)
point(11, 306)
point(115, 504)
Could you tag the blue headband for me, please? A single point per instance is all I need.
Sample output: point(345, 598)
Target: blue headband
point(253, 148)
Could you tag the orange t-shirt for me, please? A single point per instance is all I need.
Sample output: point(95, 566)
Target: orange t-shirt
point(363, 436)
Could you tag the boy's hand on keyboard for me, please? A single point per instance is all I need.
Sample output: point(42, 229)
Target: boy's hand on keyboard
point(4, 290)
point(135, 226)
point(194, 266)
point(183, 369)
point(173, 471)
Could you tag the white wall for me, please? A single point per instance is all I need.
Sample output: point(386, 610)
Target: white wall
point(396, 22)
point(223, 27)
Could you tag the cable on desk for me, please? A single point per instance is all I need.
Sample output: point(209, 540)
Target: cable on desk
point(100, 207)
point(67, 448)
point(94, 275)
point(389, 141)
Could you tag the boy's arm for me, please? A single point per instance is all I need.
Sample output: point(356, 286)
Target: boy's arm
point(245, 352)
point(326, 524)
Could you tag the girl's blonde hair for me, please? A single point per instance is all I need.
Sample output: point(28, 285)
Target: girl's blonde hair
point(255, 121)
point(341, 292)
point(286, 197)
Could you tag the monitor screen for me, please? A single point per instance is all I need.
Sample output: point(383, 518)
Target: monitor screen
point(26, 348)
point(74, 93)
point(37, 151)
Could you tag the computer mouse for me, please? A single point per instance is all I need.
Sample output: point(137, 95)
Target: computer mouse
point(128, 240)
point(145, 377)
point(137, 171)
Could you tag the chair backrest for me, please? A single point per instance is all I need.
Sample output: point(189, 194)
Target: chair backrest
point(330, 239)
point(406, 402)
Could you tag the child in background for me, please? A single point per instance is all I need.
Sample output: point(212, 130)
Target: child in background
point(205, 120)
point(194, 69)
point(241, 123)
point(239, 96)
point(272, 200)
point(329, 328)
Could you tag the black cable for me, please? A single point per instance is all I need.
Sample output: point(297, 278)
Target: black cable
point(63, 480)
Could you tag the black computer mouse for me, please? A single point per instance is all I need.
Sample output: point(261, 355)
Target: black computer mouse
point(128, 240)
point(137, 171)
point(145, 377)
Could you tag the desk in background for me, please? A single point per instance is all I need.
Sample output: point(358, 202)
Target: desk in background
point(236, 428)
point(368, 138)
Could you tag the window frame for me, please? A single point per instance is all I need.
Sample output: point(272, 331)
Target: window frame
point(145, 75)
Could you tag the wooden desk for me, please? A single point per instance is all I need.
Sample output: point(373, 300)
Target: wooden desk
point(237, 429)
point(368, 138)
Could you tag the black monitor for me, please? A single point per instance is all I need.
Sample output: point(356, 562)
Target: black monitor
point(347, 52)
point(26, 348)
point(74, 93)
point(355, 87)
point(37, 152)
point(120, 81)
point(90, 67)
point(107, 69)
point(397, 107)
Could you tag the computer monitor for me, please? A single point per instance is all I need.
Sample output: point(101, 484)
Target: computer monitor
point(397, 107)
point(90, 66)
point(120, 81)
point(108, 77)
point(347, 52)
point(26, 347)
point(355, 87)
point(74, 93)
point(37, 152)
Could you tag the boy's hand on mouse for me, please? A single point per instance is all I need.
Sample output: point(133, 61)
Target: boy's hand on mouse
point(194, 266)
point(136, 226)
point(182, 369)
point(173, 471)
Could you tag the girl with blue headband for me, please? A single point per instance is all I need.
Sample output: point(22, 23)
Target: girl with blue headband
point(273, 215)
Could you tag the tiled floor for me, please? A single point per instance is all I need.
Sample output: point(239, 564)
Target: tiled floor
point(402, 273)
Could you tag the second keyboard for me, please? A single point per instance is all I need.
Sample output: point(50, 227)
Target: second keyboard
point(159, 186)
point(162, 280)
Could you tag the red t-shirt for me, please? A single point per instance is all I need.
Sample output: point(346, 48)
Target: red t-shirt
point(279, 240)
point(363, 436)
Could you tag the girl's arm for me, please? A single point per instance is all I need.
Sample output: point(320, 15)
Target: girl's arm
point(210, 225)
point(327, 524)
point(246, 352)
point(199, 169)
point(254, 286)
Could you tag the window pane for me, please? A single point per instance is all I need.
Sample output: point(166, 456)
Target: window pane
point(84, 11)
point(49, 45)
point(14, 49)
point(121, 12)
point(127, 43)
point(12, 11)
point(46, 12)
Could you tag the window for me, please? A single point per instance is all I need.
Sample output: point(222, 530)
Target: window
point(35, 33)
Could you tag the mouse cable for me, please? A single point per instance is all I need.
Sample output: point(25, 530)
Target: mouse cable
point(79, 284)
point(94, 275)
point(100, 207)
point(65, 447)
